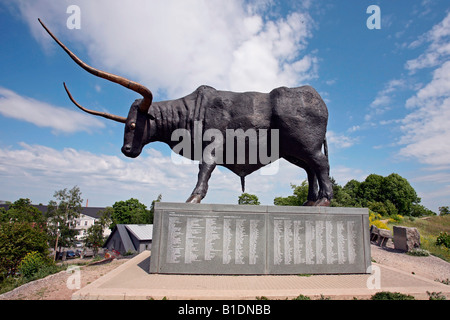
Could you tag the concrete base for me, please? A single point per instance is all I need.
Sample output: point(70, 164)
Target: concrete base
point(259, 240)
point(131, 281)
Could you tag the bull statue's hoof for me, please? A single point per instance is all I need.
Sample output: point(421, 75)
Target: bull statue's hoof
point(324, 202)
point(195, 198)
point(309, 203)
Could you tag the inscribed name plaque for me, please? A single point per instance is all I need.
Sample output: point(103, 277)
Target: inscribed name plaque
point(236, 239)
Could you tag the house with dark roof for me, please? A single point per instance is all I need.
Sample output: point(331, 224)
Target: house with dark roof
point(130, 238)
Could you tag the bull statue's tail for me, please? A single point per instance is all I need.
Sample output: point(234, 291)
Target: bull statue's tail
point(325, 151)
point(243, 183)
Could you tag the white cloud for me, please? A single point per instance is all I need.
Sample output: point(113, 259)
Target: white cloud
point(426, 128)
point(426, 134)
point(97, 175)
point(175, 46)
point(343, 174)
point(439, 87)
point(384, 98)
point(340, 141)
point(43, 114)
point(104, 179)
point(438, 50)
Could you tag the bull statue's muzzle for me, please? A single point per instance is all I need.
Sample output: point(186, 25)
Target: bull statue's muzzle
point(130, 152)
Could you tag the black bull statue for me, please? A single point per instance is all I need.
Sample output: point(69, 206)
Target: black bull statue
point(299, 116)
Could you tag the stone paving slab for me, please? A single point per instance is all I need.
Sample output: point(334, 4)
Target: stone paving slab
point(132, 281)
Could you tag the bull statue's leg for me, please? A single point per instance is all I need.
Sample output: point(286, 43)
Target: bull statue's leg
point(201, 188)
point(320, 165)
point(312, 180)
point(312, 188)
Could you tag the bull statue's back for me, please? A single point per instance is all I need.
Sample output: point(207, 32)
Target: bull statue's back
point(296, 117)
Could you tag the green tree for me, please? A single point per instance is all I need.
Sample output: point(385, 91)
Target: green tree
point(61, 215)
point(398, 190)
point(105, 217)
point(22, 230)
point(352, 188)
point(247, 198)
point(385, 195)
point(130, 212)
point(23, 211)
point(418, 210)
point(152, 207)
point(340, 196)
point(16, 240)
point(371, 190)
point(300, 195)
point(3, 215)
point(444, 210)
point(386, 208)
point(94, 237)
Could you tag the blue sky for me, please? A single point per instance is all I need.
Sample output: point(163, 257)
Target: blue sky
point(387, 90)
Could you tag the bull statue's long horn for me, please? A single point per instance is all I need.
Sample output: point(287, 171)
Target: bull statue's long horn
point(95, 113)
point(137, 87)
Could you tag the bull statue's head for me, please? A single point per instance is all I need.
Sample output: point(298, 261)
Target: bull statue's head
point(136, 124)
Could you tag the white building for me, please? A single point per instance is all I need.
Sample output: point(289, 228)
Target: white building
point(87, 219)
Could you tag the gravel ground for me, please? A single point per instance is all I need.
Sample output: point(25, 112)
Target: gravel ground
point(429, 267)
point(54, 287)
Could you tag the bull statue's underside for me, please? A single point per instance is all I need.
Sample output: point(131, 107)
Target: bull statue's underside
point(240, 131)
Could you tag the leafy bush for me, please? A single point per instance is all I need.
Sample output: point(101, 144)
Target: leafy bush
point(436, 296)
point(443, 239)
point(380, 224)
point(31, 264)
point(301, 297)
point(418, 252)
point(16, 240)
point(373, 216)
point(386, 295)
point(396, 218)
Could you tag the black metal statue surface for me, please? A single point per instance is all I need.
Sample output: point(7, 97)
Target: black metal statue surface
point(213, 124)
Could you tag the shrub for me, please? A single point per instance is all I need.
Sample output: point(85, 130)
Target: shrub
point(418, 252)
point(436, 296)
point(301, 297)
point(386, 295)
point(443, 239)
point(374, 216)
point(396, 218)
point(16, 240)
point(31, 264)
point(380, 224)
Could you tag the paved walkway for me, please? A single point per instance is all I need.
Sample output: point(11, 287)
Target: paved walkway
point(132, 281)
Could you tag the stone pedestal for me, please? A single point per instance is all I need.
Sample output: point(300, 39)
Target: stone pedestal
point(405, 238)
point(243, 239)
